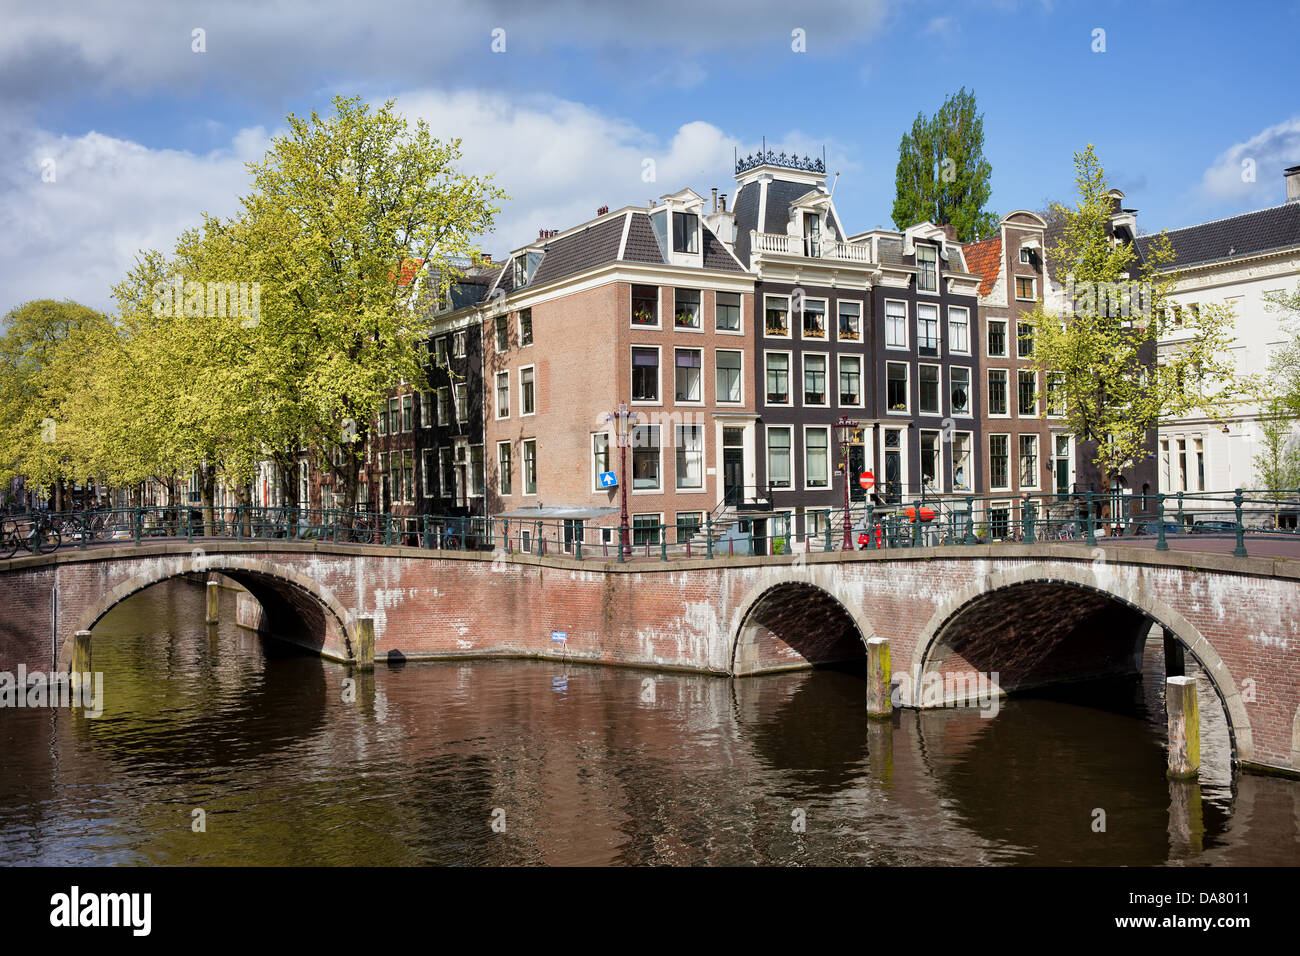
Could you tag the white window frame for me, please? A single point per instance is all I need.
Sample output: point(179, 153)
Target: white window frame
point(519, 323)
point(1038, 462)
point(523, 467)
point(940, 477)
point(839, 371)
point(500, 412)
point(1034, 373)
point(522, 369)
point(952, 349)
point(659, 373)
point(988, 392)
point(1006, 341)
point(704, 459)
point(938, 391)
point(938, 268)
point(728, 402)
point(1033, 287)
point(969, 484)
point(905, 317)
point(659, 297)
point(826, 319)
point(840, 303)
point(659, 488)
point(1008, 486)
point(970, 392)
point(510, 460)
point(699, 315)
point(907, 386)
point(740, 314)
point(462, 407)
point(826, 377)
point(789, 317)
point(938, 329)
point(700, 354)
point(767, 444)
point(789, 385)
point(610, 446)
point(830, 465)
point(426, 459)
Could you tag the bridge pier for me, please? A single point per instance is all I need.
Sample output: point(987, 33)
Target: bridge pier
point(81, 653)
point(214, 602)
point(879, 677)
point(365, 653)
point(1184, 728)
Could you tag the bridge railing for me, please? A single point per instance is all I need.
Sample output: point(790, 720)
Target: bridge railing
point(1083, 517)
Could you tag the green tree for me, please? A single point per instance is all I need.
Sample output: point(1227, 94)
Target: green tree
point(1277, 463)
point(942, 175)
point(1097, 353)
point(1284, 368)
point(44, 352)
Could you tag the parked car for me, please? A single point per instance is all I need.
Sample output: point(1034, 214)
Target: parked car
point(1153, 528)
point(1214, 527)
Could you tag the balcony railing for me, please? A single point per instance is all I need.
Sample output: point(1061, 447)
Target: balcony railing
point(778, 243)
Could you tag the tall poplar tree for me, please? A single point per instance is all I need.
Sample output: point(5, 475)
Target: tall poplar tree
point(943, 175)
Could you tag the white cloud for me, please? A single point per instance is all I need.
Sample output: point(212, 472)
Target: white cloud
point(1251, 171)
point(557, 159)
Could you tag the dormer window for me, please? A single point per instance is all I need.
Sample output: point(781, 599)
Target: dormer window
point(1026, 256)
point(927, 268)
point(686, 232)
point(521, 271)
point(812, 234)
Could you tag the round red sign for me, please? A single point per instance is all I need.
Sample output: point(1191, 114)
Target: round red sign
point(866, 480)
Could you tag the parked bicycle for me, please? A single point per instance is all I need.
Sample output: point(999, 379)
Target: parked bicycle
point(39, 537)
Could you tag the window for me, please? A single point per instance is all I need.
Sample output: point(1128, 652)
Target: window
point(503, 394)
point(520, 271)
point(645, 529)
point(927, 329)
point(777, 317)
point(645, 457)
point(1024, 339)
point(816, 457)
point(728, 375)
point(426, 409)
point(896, 386)
point(961, 474)
point(1061, 465)
point(958, 330)
point(502, 325)
point(477, 477)
point(959, 390)
point(1198, 448)
point(814, 379)
point(395, 492)
point(688, 525)
point(1055, 394)
point(448, 475)
point(999, 520)
point(1027, 392)
point(394, 416)
point(927, 268)
point(778, 457)
point(599, 457)
point(687, 363)
point(690, 457)
point(998, 391)
point(503, 468)
point(851, 321)
point(458, 345)
point(814, 318)
point(1026, 256)
point(850, 380)
point(930, 476)
point(686, 229)
point(927, 390)
point(778, 378)
point(530, 467)
point(427, 474)
point(726, 311)
point(997, 337)
point(999, 463)
point(444, 405)
point(382, 428)
point(440, 350)
point(527, 391)
point(408, 412)
point(572, 533)
point(1024, 287)
point(686, 310)
point(525, 327)
point(1028, 461)
point(645, 305)
point(645, 375)
point(408, 476)
point(896, 324)
point(462, 403)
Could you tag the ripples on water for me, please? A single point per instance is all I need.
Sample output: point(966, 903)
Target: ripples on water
point(593, 765)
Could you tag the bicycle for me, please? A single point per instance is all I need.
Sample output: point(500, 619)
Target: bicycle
point(9, 539)
point(43, 538)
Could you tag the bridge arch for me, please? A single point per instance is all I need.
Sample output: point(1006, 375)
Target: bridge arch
point(1114, 600)
point(789, 621)
point(297, 607)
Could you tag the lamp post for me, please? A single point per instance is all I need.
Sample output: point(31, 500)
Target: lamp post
point(845, 427)
point(622, 418)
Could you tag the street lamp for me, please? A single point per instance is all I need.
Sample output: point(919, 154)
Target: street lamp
point(623, 418)
point(846, 427)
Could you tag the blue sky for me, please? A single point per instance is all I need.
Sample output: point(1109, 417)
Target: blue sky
point(143, 133)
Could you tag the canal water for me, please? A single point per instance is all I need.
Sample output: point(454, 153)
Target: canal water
point(216, 747)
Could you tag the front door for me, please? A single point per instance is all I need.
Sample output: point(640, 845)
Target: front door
point(758, 535)
point(733, 475)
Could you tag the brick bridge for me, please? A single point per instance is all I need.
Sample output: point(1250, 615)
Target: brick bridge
point(1035, 614)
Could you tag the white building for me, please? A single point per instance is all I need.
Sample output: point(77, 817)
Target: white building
point(1236, 261)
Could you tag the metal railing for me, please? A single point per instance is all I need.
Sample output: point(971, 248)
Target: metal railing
point(949, 521)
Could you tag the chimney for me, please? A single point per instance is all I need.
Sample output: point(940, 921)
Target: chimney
point(1292, 176)
point(602, 210)
point(723, 200)
point(950, 231)
point(715, 198)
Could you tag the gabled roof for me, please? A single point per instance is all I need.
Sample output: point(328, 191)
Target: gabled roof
point(984, 259)
point(1277, 227)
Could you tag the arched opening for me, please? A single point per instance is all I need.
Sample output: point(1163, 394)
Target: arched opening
point(795, 625)
point(294, 609)
point(1076, 641)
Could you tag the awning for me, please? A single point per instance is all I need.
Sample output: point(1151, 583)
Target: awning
point(556, 512)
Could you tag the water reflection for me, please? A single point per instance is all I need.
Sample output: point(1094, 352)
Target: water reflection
point(293, 764)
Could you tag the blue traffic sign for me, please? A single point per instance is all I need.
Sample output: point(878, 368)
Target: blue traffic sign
point(608, 480)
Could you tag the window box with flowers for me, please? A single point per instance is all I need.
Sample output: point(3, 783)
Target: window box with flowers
point(686, 309)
